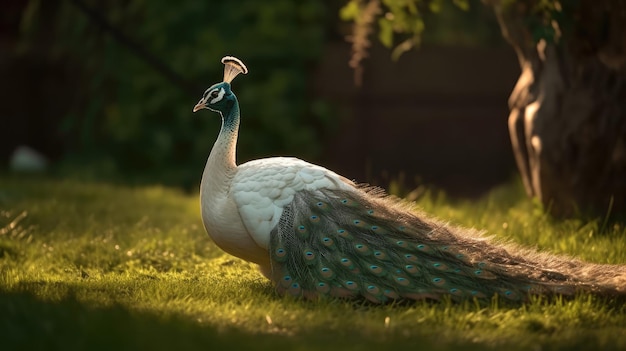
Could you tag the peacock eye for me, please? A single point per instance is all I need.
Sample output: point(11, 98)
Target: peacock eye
point(214, 94)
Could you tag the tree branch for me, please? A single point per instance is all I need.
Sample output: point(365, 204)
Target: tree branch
point(101, 22)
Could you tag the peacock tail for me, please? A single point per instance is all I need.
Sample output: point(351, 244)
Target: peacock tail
point(315, 233)
point(360, 244)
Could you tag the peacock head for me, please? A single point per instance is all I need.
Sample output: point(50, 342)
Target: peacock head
point(219, 97)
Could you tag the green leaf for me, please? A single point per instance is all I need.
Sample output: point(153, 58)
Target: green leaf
point(350, 12)
point(462, 4)
point(417, 26)
point(385, 33)
point(403, 47)
point(435, 6)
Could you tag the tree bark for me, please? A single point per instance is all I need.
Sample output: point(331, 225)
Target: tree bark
point(568, 109)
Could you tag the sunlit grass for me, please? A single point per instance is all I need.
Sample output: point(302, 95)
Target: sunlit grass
point(88, 265)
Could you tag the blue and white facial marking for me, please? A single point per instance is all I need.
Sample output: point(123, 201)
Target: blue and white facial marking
point(214, 95)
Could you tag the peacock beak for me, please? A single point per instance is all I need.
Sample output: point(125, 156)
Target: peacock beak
point(199, 106)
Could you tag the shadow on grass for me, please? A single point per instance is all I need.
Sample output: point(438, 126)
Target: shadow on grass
point(30, 323)
point(27, 322)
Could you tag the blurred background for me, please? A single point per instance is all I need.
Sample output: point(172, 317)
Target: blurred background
point(103, 90)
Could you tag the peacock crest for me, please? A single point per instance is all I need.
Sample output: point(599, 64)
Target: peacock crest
point(233, 67)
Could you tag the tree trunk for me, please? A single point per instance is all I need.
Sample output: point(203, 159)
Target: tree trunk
point(568, 110)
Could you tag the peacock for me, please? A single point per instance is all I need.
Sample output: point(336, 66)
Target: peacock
point(315, 233)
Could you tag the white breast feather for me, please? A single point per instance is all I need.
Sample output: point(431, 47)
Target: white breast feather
point(262, 188)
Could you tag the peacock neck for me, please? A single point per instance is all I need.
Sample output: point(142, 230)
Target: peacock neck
point(221, 164)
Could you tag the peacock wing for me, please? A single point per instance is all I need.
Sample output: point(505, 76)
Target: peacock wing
point(262, 189)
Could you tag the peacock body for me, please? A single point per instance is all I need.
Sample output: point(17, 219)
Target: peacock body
point(315, 233)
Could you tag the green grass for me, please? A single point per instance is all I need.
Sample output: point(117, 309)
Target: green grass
point(97, 266)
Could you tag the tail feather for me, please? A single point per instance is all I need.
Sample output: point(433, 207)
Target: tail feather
point(361, 244)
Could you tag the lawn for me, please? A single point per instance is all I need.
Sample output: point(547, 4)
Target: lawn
point(87, 265)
